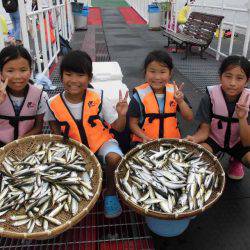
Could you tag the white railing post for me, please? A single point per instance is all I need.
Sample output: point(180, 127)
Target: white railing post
point(47, 26)
point(71, 18)
point(36, 44)
point(232, 35)
point(67, 19)
point(64, 20)
point(177, 9)
point(42, 33)
point(219, 41)
point(247, 37)
point(23, 24)
point(1, 38)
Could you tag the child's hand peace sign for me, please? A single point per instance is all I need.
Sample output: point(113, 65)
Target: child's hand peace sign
point(3, 86)
point(178, 94)
point(242, 107)
point(122, 105)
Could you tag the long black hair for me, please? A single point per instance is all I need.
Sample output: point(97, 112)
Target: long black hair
point(13, 52)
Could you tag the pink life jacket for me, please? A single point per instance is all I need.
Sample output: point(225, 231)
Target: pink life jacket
point(14, 124)
point(224, 129)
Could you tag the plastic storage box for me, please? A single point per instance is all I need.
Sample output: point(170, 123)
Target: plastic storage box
point(103, 71)
point(154, 17)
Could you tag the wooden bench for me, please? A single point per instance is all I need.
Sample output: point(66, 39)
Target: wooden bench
point(198, 31)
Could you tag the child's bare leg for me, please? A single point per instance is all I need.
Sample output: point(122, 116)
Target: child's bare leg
point(112, 206)
point(246, 160)
point(112, 161)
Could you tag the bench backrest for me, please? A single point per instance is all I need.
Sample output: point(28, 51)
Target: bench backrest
point(202, 26)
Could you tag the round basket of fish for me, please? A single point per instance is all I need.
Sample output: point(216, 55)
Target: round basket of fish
point(170, 179)
point(46, 186)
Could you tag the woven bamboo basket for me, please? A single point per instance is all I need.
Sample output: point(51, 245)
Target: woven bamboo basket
point(27, 146)
point(154, 145)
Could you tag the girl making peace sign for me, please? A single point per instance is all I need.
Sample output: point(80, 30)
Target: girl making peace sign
point(224, 115)
point(155, 103)
point(22, 105)
point(86, 116)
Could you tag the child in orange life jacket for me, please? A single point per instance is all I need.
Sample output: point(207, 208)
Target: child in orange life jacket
point(224, 115)
point(154, 104)
point(84, 111)
point(22, 105)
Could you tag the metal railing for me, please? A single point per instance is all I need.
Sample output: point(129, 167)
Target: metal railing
point(40, 30)
point(235, 15)
point(232, 17)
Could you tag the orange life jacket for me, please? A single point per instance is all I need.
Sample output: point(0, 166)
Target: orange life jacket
point(90, 130)
point(157, 125)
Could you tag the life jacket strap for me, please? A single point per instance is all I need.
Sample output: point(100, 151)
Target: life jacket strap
point(153, 116)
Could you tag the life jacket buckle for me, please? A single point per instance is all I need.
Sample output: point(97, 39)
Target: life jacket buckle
point(220, 124)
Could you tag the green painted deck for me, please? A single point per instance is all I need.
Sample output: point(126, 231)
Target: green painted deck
point(108, 3)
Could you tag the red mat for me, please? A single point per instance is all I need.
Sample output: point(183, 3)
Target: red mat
point(127, 245)
point(95, 16)
point(131, 16)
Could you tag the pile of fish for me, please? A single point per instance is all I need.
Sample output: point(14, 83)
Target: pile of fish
point(169, 180)
point(42, 185)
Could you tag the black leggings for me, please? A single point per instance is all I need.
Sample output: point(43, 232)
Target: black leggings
point(238, 151)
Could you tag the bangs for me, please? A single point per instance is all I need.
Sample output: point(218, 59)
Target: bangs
point(74, 67)
point(232, 66)
point(78, 62)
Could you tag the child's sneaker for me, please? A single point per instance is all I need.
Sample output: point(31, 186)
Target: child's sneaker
point(112, 206)
point(236, 169)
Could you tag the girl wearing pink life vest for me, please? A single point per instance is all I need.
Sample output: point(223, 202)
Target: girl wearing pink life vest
point(224, 116)
point(22, 105)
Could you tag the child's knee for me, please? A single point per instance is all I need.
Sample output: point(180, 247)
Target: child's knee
point(246, 159)
point(113, 159)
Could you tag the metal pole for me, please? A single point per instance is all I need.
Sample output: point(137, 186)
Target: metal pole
point(219, 42)
point(23, 24)
point(247, 37)
point(220, 35)
point(176, 15)
point(72, 25)
point(232, 35)
point(1, 38)
point(42, 32)
point(64, 28)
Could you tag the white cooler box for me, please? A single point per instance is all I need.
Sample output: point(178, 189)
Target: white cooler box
point(108, 77)
point(111, 90)
point(104, 71)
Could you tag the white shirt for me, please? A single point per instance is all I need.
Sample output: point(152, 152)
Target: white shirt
point(108, 112)
point(42, 105)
